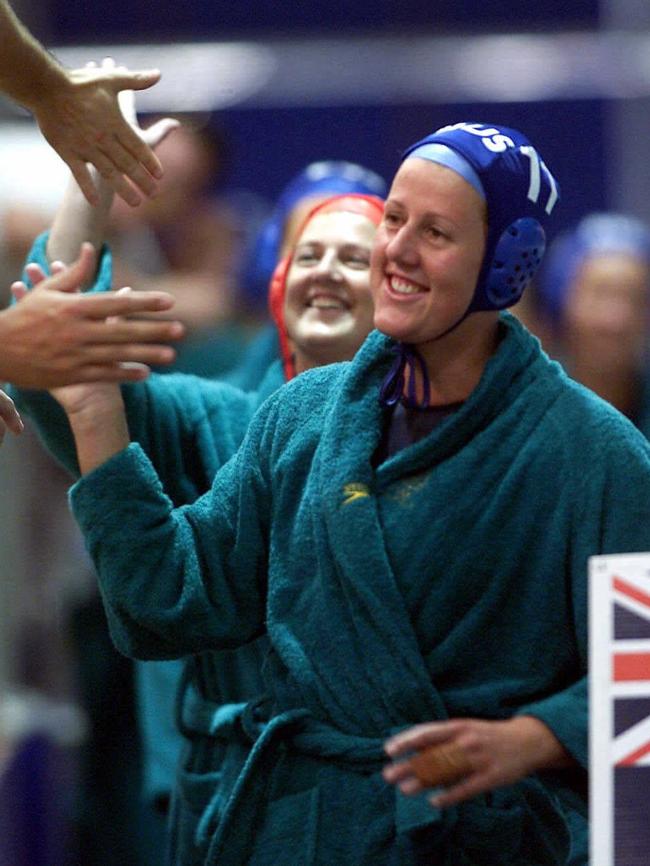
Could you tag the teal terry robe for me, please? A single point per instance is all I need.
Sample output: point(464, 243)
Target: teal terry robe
point(450, 581)
point(189, 427)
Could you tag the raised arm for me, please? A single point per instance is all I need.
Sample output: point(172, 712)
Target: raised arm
point(75, 220)
point(177, 581)
point(188, 427)
point(78, 113)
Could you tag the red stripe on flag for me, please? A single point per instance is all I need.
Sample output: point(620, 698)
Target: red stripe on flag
point(631, 666)
point(633, 757)
point(631, 591)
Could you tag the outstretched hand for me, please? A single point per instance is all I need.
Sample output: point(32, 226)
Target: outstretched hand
point(55, 336)
point(467, 757)
point(83, 122)
point(9, 417)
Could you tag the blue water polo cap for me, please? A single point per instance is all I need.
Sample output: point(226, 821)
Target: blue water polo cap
point(327, 177)
point(596, 234)
point(520, 194)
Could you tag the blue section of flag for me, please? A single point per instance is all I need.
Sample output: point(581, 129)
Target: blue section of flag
point(629, 712)
point(628, 626)
point(631, 816)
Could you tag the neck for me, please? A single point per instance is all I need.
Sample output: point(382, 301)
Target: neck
point(455, 362)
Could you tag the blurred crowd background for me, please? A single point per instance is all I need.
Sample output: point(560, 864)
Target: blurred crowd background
point(263, 89)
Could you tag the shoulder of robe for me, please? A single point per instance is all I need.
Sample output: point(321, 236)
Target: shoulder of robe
point(312, 390)
point(593, 429)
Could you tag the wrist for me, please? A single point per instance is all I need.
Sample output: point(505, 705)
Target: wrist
point(95, 412)
point(47, 83)
point(100, 433)
point(538, 740)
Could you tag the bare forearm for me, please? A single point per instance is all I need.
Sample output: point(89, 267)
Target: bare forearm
point(99, 433)
point(27, 72)
point(77, 221)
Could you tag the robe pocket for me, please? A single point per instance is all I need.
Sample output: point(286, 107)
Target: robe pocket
point(196, 808)
point(289, 832)
point(522, 825)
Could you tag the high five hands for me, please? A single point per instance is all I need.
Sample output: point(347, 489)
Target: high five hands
point(56, 336)
point(83, 123)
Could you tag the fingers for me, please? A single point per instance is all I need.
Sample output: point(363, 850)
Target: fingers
point(127, 371)
point(430, 755)
point(442, 764)
point(123, 151)
point(419, 737)
point(159, 131)
point(140, 79)
point(35, 273)
point(103, 159)
point(128, 137)
point(83, 179)
point(18, 290)
point(9, 414)
point(70, 279)
point(130, 335)
point(126, 102)
point(471, 786)
point(105, 304)
point(122, 157)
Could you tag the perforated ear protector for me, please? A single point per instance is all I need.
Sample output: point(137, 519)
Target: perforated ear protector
point(517, 257)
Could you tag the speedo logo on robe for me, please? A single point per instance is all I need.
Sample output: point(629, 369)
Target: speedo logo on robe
point(354, 491)
point(620, 709)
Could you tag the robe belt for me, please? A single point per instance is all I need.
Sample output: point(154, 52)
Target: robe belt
point(306, 735)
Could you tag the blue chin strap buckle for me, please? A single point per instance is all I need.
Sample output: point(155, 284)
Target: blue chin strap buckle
point(517, 256)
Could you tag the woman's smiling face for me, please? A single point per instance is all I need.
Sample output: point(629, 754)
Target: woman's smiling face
point(428, 252)
point(328, 308)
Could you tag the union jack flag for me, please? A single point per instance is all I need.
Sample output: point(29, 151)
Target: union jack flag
point(619, 680)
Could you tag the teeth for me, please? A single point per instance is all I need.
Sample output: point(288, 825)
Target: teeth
point(404, 288)
point(326, 304)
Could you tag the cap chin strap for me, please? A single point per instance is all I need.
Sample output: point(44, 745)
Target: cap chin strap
point(392, 388)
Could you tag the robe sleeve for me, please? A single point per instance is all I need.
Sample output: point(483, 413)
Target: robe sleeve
point(178, 581)
point(612, 515)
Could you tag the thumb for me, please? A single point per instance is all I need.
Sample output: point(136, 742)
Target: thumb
point(18, 290)
point(136, 80)
point(79, 272)
point(156, 133)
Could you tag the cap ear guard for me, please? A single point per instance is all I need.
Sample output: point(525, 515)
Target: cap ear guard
point(517, 257)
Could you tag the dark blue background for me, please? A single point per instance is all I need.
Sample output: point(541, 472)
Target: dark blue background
point(212, 19)
point(270, 145)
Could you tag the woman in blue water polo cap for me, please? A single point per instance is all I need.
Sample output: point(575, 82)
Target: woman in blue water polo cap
point(411, 531)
